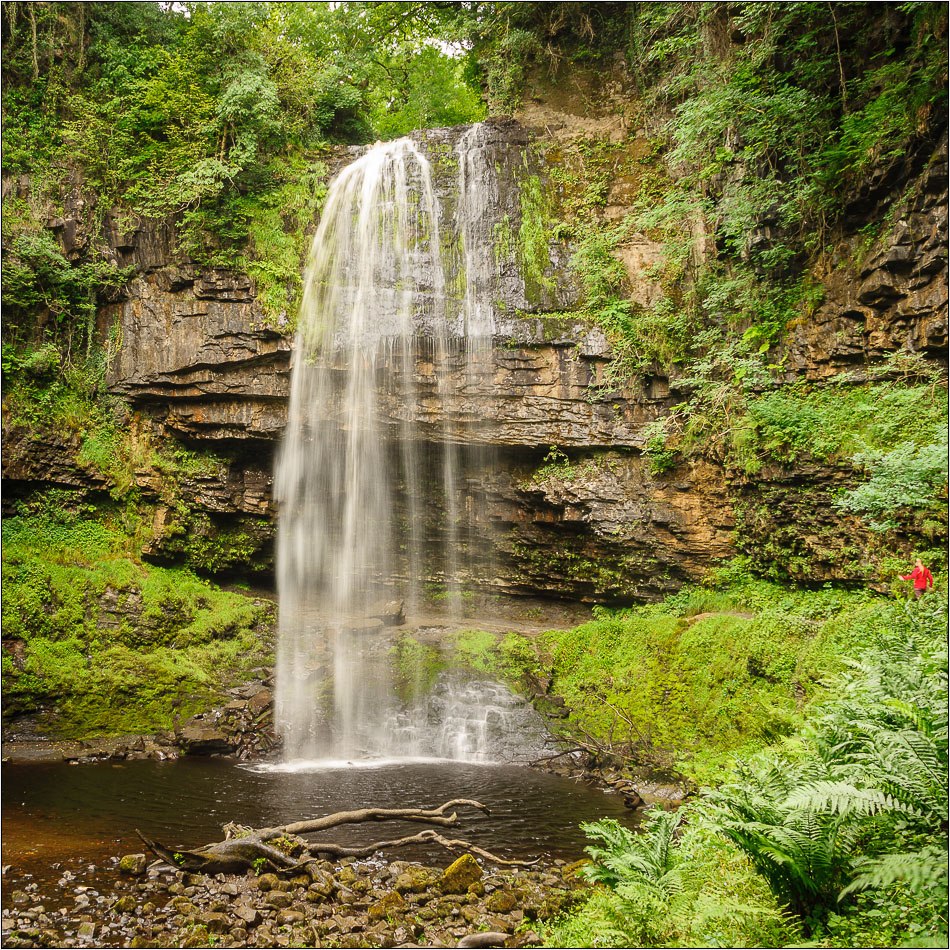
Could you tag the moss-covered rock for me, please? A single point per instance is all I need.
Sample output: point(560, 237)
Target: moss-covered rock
point(460, 875)
point(391, 905)
point(99, 643)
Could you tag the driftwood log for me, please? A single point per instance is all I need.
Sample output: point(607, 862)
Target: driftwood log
point(283, 848)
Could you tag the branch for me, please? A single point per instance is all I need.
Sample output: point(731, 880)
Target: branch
point(247, 847)
point(433, 816)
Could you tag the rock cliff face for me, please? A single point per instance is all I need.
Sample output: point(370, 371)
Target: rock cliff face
point(194, 350)
point(895, 295)
point(197, 361)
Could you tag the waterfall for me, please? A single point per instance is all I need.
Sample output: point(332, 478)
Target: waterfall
point(363, 474)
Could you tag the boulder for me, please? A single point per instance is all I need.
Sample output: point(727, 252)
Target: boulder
point(134, 864)
point(460, 875)
point(414, 880)
point(392, 614)
point(391, 905)
point(199, 737)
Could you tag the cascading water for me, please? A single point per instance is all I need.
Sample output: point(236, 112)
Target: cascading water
point(356, 489)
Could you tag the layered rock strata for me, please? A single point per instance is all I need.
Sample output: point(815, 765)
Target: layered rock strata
point(196, 360)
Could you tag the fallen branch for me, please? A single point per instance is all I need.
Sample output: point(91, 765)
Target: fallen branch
point(281, 849)
point(558, 755)
point(431, 816)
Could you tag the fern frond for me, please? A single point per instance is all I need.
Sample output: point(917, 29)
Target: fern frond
point(926, 869)
point(842, 798)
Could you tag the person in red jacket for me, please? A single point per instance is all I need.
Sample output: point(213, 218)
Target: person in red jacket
point(921, 577)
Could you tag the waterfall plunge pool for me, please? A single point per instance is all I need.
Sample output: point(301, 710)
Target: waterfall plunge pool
point(59, 818)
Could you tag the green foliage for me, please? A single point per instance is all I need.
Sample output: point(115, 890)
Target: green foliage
point(769, 121)
point(432, 92)
point(556, 465)
point(37, 277)
point(671, 883)
point(844, 821)
point(213, 546)
point(831, 422)
point(862, 802)
point(416, 667)
point(210, 113)
point(275, 251)
point(533, 237)
point(110, 645)
point(909, 477)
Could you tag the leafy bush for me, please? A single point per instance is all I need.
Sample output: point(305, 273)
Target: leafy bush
point(844, 822)
point(862, 802)
point(671, 882)
point(910, 477)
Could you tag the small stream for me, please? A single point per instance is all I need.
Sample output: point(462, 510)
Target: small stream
point(60, 818)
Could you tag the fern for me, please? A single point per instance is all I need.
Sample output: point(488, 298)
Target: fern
point(871, 780)
point(843, 798)
point(628, 858)
point(923, 870)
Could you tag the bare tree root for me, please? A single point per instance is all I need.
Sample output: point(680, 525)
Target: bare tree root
point(280, 849)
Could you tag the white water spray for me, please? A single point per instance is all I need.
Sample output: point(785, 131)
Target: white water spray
point(357, 489)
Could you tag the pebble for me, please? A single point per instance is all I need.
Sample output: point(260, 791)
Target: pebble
point(332, 904)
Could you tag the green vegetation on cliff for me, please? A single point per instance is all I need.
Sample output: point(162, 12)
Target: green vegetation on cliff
point(213, 113)
point(97, 643)
point(836, 834)
point(768, 150)
point(819, 718)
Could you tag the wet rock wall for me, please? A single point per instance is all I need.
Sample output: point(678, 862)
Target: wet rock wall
point(196, 361)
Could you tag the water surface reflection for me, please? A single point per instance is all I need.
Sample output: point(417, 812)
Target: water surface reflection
point(59, 814)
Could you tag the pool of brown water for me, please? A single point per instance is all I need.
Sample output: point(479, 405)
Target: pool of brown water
point(60, 819)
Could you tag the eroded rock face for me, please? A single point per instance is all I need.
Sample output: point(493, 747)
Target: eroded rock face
point(196, 360)
point(195, 350)
point(899, 300)
point(603, 528)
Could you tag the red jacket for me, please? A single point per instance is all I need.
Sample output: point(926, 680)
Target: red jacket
point(921, 577)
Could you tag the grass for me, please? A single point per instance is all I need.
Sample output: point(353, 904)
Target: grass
point(714, 672)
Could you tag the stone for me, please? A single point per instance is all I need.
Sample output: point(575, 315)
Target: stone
point(86, 931)
point(199, 737)
point(268, 882)
point(501, 902)
point(250, 915)
point(414, 880)
point(277, 899)
point(323, 884)
point(392, 905)
point(134, 864)
point(460, 875)
point(485, 939)
point(392, 614)
point(216, 923)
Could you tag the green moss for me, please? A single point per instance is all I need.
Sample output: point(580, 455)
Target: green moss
point(106, 644)
point(510, 657)
point(213, 547)
point(534, 235)
point(416, 666)
point(279, 222)
point(606, 579)
point(711, 673)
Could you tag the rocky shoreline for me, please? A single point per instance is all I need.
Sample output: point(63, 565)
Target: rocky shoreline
point(349, 903)
point(243, 727)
